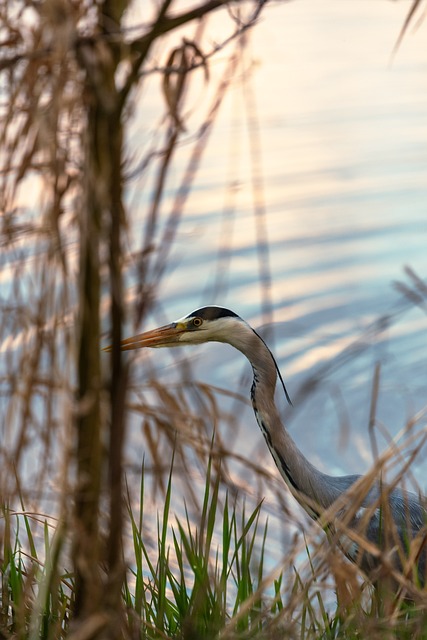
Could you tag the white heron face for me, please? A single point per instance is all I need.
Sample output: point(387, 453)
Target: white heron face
point(207, 324)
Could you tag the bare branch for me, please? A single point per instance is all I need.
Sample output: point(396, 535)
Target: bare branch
point(141, 46)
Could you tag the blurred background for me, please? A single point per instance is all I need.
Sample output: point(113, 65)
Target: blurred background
point(309, 202)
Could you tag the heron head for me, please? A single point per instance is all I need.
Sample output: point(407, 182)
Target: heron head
point(207, 324)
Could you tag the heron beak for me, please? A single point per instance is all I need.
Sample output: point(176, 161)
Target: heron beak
point(167, 336)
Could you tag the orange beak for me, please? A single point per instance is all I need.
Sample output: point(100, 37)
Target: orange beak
point(161, 337)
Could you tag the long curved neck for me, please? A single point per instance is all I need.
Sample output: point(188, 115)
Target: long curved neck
point(302, 478)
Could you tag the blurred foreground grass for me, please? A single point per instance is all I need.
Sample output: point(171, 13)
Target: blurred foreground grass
point(200, 579)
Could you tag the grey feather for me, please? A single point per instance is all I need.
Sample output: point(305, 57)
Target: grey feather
point(385, 516)
point(314, 490)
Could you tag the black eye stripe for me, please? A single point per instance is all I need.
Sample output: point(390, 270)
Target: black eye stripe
point(212, 313)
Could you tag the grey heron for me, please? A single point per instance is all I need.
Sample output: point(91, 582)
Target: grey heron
point(316, 491)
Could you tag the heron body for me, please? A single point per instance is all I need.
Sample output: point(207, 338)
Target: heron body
point(316, 491)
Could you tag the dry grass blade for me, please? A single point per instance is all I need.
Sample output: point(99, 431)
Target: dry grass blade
point(417, 293)
point(373, 409)
point(408, 20)
point(181, 61)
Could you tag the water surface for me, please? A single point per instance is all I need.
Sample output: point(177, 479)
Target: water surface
point(343, 171)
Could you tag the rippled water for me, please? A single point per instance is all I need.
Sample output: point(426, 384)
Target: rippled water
point(343, 165)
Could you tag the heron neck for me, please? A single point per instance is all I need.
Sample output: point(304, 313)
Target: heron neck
point(302, 478)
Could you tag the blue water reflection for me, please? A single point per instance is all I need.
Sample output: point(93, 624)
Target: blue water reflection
point(344, 171)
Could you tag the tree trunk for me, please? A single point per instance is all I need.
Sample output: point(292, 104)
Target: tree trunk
point(101, 220)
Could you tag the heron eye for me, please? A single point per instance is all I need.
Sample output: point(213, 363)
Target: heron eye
point(197, 322)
